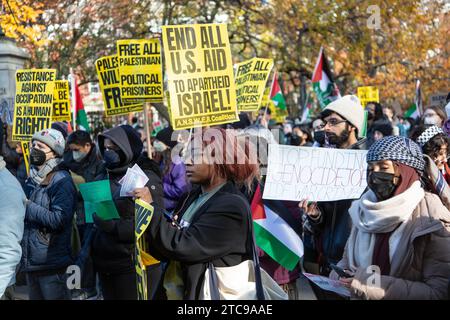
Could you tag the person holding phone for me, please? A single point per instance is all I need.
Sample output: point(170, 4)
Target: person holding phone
point(399, 243)
point(327, 224)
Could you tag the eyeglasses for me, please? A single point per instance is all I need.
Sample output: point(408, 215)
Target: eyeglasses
point(332, 122)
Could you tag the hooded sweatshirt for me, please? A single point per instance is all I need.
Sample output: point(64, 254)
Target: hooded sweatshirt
point(113, 252)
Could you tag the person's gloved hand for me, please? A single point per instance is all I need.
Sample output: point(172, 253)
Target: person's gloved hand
point(107, 226)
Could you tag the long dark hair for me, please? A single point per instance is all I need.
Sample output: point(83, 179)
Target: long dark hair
point(434, 145)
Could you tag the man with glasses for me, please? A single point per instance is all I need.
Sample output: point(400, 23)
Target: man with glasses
point(328, 222)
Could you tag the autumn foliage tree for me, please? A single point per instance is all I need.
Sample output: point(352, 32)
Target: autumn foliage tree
point(388, 44)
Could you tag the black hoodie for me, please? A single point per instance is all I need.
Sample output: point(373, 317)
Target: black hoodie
point(113, 252)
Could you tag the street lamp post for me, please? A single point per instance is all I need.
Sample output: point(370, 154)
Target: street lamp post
point(11, 58)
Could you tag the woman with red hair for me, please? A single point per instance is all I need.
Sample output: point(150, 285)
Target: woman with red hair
point(214, 218)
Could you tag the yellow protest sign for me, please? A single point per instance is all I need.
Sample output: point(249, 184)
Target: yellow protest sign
point(26, 155)
point(140, 70)
point(200, 75)
point(169, 109)
point(61, 101)
point(368, 94)
point(143, 216)
point(251, 77)
point(278, 115)
point(108, 77)
point(33, 102)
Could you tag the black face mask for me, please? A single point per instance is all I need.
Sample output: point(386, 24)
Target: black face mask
point(370, 116)
point(296, 140)
point(37, 157)
point(112, 159)
point(382, 184)
point(319, 137)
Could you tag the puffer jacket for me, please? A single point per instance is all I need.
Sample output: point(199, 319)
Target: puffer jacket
point(420, 269)
point(46, 241)
point(112, 252)
point(12, 214)
point(175, 184)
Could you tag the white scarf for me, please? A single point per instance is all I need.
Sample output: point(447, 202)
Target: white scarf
point(370, 217)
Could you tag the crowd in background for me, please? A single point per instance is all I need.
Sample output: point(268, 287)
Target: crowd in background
point(401, 223)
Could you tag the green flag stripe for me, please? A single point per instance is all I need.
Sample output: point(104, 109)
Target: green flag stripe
point(275, 248)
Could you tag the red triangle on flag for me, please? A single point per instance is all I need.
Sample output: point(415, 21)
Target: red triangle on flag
point(257, 205)
point(317, 76)
point(275, 86)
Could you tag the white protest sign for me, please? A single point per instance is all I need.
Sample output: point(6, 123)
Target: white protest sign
point(329, 285)
point(134, 178)
point(317, 174)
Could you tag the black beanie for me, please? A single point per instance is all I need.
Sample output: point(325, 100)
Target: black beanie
point(165, 136)
point(385, 127)
point(134, 139)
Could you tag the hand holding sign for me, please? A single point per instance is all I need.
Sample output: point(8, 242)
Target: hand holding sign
point(310, 208)
point(317, 174)
point(133, 179)
point(143, 194)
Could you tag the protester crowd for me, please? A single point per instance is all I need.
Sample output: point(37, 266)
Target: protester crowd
point(202, 213)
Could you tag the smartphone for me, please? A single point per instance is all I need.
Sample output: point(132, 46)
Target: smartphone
point(341, 272)
point(169, 216)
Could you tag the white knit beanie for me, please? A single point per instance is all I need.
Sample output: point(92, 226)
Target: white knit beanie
point(52, 138)
point(349, 107)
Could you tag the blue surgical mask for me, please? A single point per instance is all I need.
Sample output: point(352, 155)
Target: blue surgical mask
point(78, 156)
point(159, 146)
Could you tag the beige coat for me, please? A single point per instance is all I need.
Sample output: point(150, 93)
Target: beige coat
point(420, 268)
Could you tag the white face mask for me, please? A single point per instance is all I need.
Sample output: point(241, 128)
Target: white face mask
point(432, 120)
point(159, 146)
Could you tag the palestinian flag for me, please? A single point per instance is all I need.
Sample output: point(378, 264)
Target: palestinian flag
point(307, 110)
point(276, 95)
point(412, 112)
point(82, 122)
point(276, 231)
point(323, 84)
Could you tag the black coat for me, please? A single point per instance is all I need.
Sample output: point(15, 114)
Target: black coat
point(113, 252)
point(219, 232)
point(331, 231)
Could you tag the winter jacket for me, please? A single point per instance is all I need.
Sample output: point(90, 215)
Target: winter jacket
point(113, 252)
point(219, 232)
point(12, 215)
point(14, 162)
point(46, 242)
point(420, 268)
point(175, 184)
point(328, 234)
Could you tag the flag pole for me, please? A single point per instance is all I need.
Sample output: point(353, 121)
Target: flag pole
point(270, 93)
point(74, 99)
point(304, 107)
point(147, 106)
